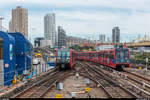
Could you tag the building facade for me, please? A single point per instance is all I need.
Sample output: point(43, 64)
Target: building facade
point(102, 38)
point(104, 47)
point(37, 41)
point(61, 37)
point(50, 28)
point(19, 21)
point(45, 43)
point(116, 35)
point(71, 41)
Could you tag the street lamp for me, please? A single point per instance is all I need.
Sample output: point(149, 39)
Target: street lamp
point(146, 62)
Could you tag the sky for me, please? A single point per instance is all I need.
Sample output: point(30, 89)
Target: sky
point(84, 18)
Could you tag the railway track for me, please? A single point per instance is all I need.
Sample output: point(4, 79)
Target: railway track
point(141, 82)
point(41, 88)
point(38, 87)
point(37, 90)
point(46, 93)
point(130, 81)
point(110, 87)
point(38, 79)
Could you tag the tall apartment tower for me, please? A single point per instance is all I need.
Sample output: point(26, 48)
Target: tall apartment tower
point(102, 38)
point(61, 37)
point(19, 21)
point(116, 35)
point(50, 28)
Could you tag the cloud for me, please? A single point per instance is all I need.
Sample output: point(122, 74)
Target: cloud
point(84, 16)
point(126, 4)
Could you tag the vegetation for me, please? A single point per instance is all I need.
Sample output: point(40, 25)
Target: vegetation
point(82, 48)
point(140, 58)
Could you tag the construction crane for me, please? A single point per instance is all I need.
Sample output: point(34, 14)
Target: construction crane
point(1, 27)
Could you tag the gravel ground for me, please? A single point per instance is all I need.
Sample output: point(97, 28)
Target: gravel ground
point(71, 84)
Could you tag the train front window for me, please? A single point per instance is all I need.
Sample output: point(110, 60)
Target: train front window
point(122, 55)
point(126, 53)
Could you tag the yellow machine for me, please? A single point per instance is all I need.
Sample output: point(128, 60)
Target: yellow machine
point(16, 80)
point(38, 55)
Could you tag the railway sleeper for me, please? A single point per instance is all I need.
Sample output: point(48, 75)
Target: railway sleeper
point(135, 88)
point(134, 95)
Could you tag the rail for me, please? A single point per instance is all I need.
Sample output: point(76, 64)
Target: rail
point(132, 86)
point(108, 80)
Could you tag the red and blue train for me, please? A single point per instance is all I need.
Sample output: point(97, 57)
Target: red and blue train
point(116, 58)
point(65, 58)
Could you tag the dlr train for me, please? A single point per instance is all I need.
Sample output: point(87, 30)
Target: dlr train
point(116, 58)
point(65, 58)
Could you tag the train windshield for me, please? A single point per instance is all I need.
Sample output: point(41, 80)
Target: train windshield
point(63, 55)
point(122, 55)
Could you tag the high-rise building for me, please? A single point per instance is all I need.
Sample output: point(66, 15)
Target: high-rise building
point(61, 37)
point(50, 28)
point(116, 35)
point(19, 21)
point(102, 38)
point(108, 40)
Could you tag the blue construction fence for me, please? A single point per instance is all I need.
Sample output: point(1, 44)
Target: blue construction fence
point(35, 70)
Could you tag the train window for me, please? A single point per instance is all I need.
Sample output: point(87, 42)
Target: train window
point(117, 55)
point(126, 52)
point(1, 48)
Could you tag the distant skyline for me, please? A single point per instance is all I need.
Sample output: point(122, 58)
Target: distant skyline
point(84, 16)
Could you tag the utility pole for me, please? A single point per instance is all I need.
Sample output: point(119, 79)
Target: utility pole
point(1, 19)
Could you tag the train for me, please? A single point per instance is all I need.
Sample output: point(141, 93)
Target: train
point(116, 58)
point(15, 56)
point(65, 58)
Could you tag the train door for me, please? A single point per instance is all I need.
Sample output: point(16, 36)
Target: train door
point(108, 57)
point(96, 57)
point(99, 57)
point(102, 57)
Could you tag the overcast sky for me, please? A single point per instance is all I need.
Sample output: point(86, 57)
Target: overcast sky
point(84, 16)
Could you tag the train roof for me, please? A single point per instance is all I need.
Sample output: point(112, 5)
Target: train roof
point(97, 51)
